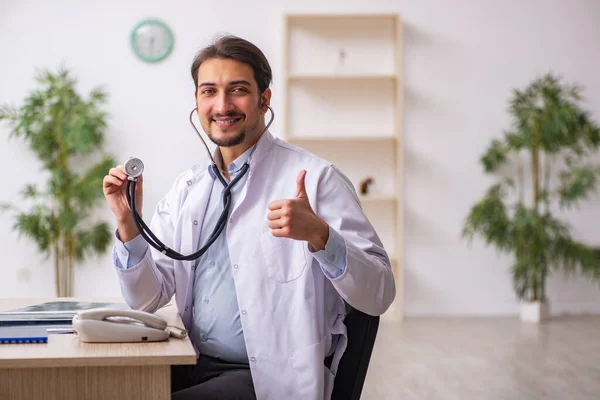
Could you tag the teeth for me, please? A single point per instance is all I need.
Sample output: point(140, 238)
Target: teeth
point(229, 121)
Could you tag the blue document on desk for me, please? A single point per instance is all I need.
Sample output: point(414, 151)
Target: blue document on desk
point(23, 334)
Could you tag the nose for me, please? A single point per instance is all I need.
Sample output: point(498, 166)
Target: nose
point(222, 104)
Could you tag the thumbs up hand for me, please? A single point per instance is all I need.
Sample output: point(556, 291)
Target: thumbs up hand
point(295, 218)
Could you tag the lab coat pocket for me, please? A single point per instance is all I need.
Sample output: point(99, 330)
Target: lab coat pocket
point(285, 258)
point(311, 374)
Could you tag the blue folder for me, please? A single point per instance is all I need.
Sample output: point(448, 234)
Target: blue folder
point(23, 334)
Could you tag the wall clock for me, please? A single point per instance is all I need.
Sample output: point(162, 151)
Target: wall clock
point(152, 40)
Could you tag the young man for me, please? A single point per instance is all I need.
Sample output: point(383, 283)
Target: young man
point(265, 304)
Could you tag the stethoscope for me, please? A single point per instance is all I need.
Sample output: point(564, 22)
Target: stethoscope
point(134, 167)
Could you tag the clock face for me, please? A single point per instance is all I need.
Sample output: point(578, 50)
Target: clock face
point(152, 40)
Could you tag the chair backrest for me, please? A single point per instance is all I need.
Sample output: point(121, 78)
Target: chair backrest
point(352, 370)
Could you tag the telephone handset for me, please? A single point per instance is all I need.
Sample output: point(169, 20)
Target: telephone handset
point(110, 325)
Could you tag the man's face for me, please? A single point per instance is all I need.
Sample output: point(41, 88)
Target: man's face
point(228, 102)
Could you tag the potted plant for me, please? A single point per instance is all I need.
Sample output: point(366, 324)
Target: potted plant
point(543, 169)
point(65, 131)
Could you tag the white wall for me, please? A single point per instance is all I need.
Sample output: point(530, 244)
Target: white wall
point(462, 58)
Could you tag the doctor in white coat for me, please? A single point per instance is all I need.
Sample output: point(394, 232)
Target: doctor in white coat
point(265, 304)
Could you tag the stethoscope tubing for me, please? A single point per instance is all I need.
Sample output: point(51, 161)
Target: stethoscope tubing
point(153, 240)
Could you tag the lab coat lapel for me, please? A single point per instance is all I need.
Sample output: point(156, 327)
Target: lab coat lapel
point(264, 145)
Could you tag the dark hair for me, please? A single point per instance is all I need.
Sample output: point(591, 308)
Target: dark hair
point(235, 48)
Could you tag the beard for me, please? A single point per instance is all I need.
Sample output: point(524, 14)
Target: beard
point(228, 141)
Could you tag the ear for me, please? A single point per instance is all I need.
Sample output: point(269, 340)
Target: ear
point(265, 100)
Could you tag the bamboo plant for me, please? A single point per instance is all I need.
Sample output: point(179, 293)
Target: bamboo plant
point(66, 132)
point(543, 166)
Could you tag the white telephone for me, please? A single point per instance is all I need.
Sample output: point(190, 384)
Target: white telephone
point(108, 325)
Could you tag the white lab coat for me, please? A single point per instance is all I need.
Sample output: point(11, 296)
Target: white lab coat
point(289, 309)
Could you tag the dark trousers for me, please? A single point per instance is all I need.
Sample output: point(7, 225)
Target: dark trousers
point(212, 379)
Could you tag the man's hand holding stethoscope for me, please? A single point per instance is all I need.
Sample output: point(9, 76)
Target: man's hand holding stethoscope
point(113, 186)
point(295, 218)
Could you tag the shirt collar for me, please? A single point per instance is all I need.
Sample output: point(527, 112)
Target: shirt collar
point(235, 166)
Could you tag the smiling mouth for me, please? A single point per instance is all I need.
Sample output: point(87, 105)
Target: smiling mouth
point(227, 122)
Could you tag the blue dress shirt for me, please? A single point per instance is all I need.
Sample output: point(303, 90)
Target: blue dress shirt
point(217, 330)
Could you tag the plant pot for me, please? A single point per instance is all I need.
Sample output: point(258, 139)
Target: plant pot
point(535, 311)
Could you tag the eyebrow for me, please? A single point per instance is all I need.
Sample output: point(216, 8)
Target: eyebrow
point(237, 82)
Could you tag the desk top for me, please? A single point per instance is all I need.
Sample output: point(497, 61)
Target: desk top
point(66, 350)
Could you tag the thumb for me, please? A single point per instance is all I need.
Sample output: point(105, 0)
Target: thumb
point(140, 184)
point(301, 189)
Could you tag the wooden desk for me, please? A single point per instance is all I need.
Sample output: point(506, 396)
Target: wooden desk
point(66, 368)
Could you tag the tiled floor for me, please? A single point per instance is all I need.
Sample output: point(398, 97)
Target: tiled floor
point(486, 358)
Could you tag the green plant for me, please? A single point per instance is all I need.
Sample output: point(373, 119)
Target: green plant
point(544, 155)
point(64, 130)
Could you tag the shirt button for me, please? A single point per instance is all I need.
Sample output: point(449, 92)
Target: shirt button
point(206, 301)
point(212, 263)
point(189, 183)
point(204, 337)
point(231, 220)
point(252, 359)
point(195, 222)
point(235, 266)
point(186, 308)
point(243, 312)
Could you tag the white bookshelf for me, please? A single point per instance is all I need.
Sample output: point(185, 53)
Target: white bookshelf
point(343, 102)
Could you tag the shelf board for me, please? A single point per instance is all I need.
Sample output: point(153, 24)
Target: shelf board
point(341, 16)
point(324, 138)
point(310, 77)
point(377, 198)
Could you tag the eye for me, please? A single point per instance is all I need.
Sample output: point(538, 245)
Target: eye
point(240, 89)
point(207, 91)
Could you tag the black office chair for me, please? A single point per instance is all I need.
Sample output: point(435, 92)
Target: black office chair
point(352, 370)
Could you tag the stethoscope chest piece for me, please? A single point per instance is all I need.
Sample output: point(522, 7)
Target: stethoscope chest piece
point(134, 167)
